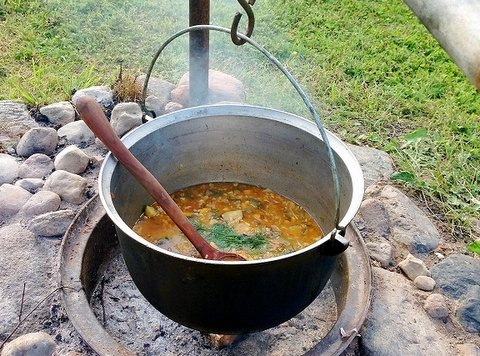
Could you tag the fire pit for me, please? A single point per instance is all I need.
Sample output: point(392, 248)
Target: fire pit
point(90, 251)
point(226, 143)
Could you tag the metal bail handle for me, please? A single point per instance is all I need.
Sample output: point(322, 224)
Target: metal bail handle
point(300, 91)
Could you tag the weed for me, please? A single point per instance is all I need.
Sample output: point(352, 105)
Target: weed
point(125, 87)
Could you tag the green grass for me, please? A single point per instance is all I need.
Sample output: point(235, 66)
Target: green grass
point(385, 82)
point(379, 78)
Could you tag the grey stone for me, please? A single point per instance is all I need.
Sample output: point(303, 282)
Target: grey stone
point(24, 259)
point(436, 306)
point(424, 283)
point(97, 161)
point(60, 113)
point(70, 187)
point(409, 225)
point(172, 106)
point(375, 164)
point(157, 87)
point(8, 168)
point(38, 140)
point(37, 165)
point(221, 87)
point(468, 350)
point(40, 203)
point(103, 95)
point(12, 200)
point(33, 344)
point(396, 324)
point(374, 216)
point(381, 252)
point(72, 159)
point(30, 184)
point(414, 267)
point(155, 104)
point(181, 95)
point(456, 274)
point(52, 224)
point(125, 116)
point(76, 132)
point(468, 311)
point(15, 121)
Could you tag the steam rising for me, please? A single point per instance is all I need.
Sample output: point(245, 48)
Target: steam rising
point(131, 32)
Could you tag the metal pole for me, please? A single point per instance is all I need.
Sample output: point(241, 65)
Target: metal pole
point(199, 14)
point(455, 24)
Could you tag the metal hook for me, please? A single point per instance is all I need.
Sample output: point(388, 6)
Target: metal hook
point(236, 20)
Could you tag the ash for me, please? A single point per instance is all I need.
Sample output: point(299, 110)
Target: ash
point(139, 327)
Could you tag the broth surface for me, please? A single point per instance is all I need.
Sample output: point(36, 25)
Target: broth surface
point(251, 221)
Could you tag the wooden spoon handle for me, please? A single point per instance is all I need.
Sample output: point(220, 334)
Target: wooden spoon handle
point(94, 117)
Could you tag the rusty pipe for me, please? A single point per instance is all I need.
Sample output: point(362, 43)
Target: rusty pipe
point(455, 24)
point(199, 14)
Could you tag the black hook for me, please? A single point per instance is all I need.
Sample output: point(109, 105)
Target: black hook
point(236, 20)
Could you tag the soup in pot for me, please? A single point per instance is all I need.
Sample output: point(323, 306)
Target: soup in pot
point(251, 221)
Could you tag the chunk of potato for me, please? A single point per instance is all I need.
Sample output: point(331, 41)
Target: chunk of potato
point(150, 211)
point(231, 216)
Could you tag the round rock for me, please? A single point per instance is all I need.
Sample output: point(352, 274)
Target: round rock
point(375, 163)
point(30, 184)
point(40, 203)
point(456, 275)
point(125, 116)
point(436, 306)
point(8, 168)
point(37, 165)
point(16, 120)
point(72, 159)
point(155, 105)
point(468, 311)
point(221, 87)
point(103, 95)
point(76, 132)
point(424, 283)
point(157, 87)
point(69, 186)
point(410, 226)
point(374, 217)
point(413, 267)
point(13, 198)
point(52, 224)
point(60, 113)
point(381, 252)
point(172, 106)
point(33, 344)
point(38, 140)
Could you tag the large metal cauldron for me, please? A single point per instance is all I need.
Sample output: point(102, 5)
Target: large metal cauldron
point(233, 143)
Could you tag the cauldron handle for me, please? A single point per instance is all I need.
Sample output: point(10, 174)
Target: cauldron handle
point(338, 230)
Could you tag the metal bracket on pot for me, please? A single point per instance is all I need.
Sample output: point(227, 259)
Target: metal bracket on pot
point(301, 92)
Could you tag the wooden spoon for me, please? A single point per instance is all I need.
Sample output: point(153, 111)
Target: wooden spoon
point(94, 117)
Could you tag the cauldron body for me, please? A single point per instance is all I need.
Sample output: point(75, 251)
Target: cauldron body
point(233, 143)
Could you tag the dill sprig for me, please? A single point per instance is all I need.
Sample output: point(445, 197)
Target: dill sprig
point(226, 239)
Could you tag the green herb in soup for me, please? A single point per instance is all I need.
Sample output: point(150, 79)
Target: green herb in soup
point(226, 239)
point(251, 221)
